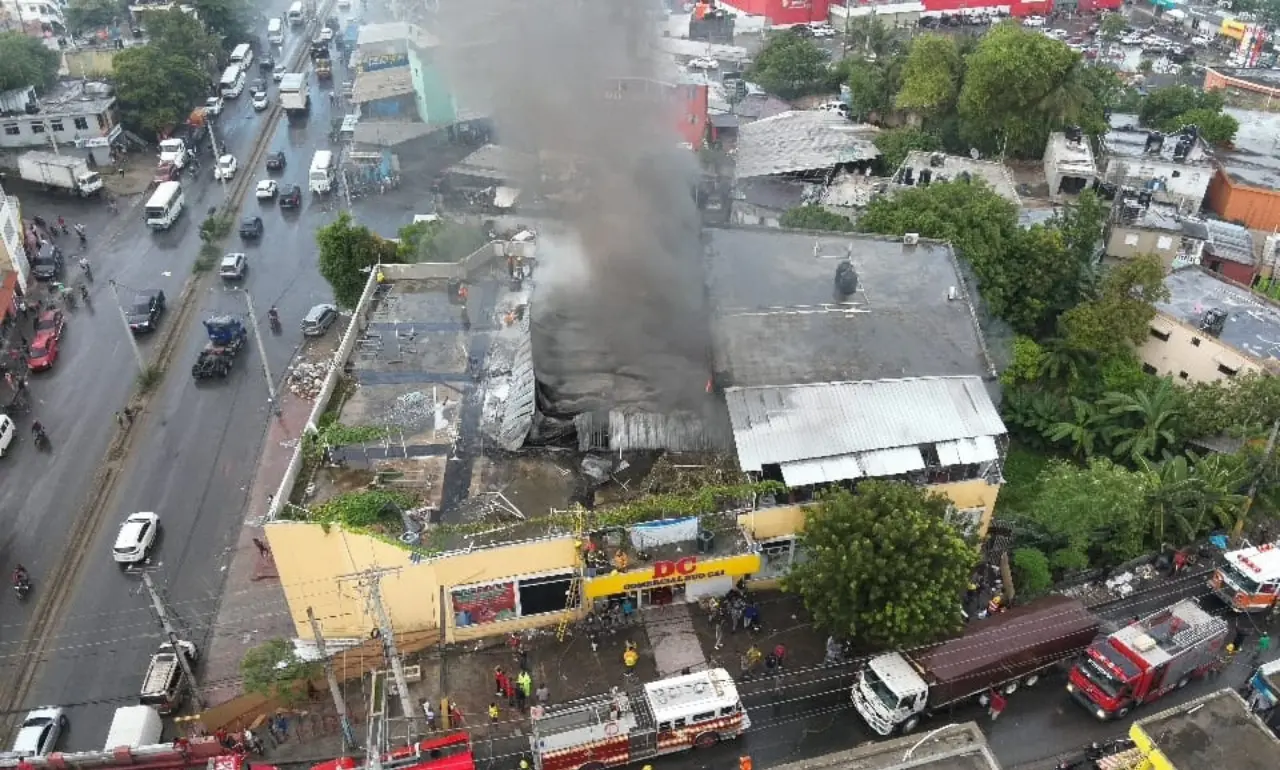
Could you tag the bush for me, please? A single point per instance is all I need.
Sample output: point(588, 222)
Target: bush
point(1031, 572)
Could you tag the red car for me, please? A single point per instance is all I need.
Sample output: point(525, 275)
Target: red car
point(50, 321)
point(44, 351)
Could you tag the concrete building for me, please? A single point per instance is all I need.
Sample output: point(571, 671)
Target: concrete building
point(37, 18)
point(1156, 229)
point(1211, 329)
point(76, 116)
point(1213, 731)
point(1246, 186)
point(1068, 165)
point(892, 14)
point(948, 747)
point(1229, 252)
point(684, 95)
point(398, 90)
point(922, 168)
point(13, 255)
point(1172, 168)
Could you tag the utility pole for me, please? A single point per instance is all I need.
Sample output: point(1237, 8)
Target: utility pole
point(213, 142)
point(262, 353)
point(373, 585)
point(1267, 454)
point(338, 702)
point(178, 652)
point(128, 333)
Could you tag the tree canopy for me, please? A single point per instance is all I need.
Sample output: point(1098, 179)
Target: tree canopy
point(88, 15)
point(440, 240)
point(931, 76)
point(814, 217)
point(230, 21)
point(895, 143)
point(883, 566)
point(26, 61)
point(274, 670)
point(1170, 109)
point(347, 251)
point(1112, 26)
point(791, 66)
point(155, 87)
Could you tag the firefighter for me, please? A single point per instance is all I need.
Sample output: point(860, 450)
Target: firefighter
point(630, 658)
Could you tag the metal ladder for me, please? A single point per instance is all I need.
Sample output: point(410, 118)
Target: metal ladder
point(644, 736)
point(575, 585)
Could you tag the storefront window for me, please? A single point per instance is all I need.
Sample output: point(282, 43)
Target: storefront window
point(541, 595)
point(497, 602)
point(775, 557)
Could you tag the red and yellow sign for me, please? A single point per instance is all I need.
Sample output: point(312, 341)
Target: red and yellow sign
point(669, 573)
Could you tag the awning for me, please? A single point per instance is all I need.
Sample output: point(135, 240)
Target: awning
point(967, 451)
point(891, 462)
point(821, 470)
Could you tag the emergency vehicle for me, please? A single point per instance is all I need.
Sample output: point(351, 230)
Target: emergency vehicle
point(683, 712)
point(448, 752)
point(1147, 659)
point(1249, 578)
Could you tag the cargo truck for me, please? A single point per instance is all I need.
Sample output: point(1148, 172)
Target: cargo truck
point(1147, 659)
point(134, 727)
point(897, 690)
point(62, 172)
point(295, 94)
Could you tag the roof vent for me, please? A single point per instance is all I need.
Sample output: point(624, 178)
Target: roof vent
point(911, 239)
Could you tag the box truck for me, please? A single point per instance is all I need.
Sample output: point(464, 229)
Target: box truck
point(63, 172)
point(134, 727)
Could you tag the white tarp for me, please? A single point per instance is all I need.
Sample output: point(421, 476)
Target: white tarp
point(663, 532)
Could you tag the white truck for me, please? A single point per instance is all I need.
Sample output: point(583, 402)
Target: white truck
point(295, 94)
point(65, 172)
point(134, 727)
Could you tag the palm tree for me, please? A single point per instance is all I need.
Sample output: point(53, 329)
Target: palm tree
point(1067, 97)
point(1061, 363)
point(1080, 430)
point(1143, 421)
point(1192, 495)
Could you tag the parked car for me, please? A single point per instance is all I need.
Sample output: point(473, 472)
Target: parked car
point(251, 227)
point(233, 267)
point(50, 321)
point(1035, 22)
point(47, 263)
point(43, 352)
point(7, 431)
point(137, 535)
point(318, 320)
point(291, 197)
point(145, 310)
point(40, 731)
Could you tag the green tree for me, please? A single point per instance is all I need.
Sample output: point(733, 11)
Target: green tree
point(1216, 127)
point(440, 240)
point(882, 566)
point(1081, 226)
point(347, 252)
point(1081, 431)
point(274, 670)
point(895, 143)
point(155, 88)
point(814, 217)
point(229, 21)
point(26, 61)
point(791, 66)
point(1164, 105)
point(869, 35)
point(1112, 26)
point(1188, 496)
point(1031, 573)
point(870, 89)
point(179, 34)
point(87, 15)
point(1027, 364)
point(931, 76)
point(1095, 514)
point(1143, 424)
point(1119, 315)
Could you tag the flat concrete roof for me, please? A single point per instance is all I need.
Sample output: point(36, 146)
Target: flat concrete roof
point(948, 168)
point(1253, 323)
point(776, 319)
point(1215, 731)
point(1252, 158)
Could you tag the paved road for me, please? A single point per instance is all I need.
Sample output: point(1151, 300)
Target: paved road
point(197, 456)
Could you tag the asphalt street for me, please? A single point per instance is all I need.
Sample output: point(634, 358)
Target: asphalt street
point(196, 458)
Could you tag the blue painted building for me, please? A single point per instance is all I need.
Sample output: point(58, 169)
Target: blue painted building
point(399, 90)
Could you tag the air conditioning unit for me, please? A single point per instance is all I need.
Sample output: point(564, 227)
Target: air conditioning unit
point(911, 239)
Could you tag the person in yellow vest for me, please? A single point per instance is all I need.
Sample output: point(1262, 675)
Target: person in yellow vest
point(620, 560)
point(493, 713)
point(630, 658)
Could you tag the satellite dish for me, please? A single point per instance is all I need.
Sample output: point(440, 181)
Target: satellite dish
point(973, 153)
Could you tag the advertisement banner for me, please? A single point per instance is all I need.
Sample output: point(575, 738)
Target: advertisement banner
point(666, 573)
point(484, 604)
point(383, 62)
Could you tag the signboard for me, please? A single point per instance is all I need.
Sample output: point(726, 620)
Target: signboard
point(484, 604)
point(667, 573)
point(384, 61)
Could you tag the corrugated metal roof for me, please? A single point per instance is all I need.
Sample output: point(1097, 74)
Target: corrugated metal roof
point(1230, 241)
point(797, 424)
point(627, 431)
point(801, 140)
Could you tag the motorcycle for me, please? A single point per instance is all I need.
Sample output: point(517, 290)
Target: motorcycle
point(88, 270)
point(273, 319)
point(22, 588)
point(42, 441)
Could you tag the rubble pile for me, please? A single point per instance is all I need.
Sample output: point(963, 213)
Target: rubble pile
point(306, 379)
point(416, 410)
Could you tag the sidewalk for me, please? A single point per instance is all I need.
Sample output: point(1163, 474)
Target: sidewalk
point(253, 607)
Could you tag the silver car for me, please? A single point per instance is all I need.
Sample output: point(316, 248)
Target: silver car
point(40, 732)
point(319, 319)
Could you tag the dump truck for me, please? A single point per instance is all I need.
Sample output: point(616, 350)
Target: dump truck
point(897, 690)
point(165, 684)
point(1147, 659)
point(61, 172)
point(321, 59)
point(134, 727)
point(295, 94)
point(227, 336)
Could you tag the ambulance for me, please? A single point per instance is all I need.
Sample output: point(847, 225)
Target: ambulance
point(1249, 578)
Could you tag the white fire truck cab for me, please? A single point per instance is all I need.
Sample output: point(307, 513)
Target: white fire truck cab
point(663, 717)
point(1249, 578)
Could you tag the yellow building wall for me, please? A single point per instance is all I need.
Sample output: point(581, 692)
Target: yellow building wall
point(90, 62)
point(1190, 355)
point(768, 523)
point(973, 493)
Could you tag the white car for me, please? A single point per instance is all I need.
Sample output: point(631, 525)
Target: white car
point(326, 34)
point(267, 188)
point(7, 431)
point(704, 63)
point(1057, 34)
point(822, 30)
point(260, 101)
point(226, 168)
point(1033, 21)
point(137, 535)
point(839, 107)
point(277, 74)
point(213, 105)
point(1200, 40)
point(40, 731)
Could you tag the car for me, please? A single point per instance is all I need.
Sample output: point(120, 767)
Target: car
point(278, 73)
point(1058, 34)
point(137, 535)
point(40, 731)
point(233, 267)
point(226, 168)
point(251, 227)
point(821, 29)
point(276, 161)
point(318, 320)
point(145, 310)
point(1033, 21)
point(50, 321)
point(704, 63)
point(7, 431)
point(1200, 40)
point(266, 64)
point(47, 263)
point(802, 30)
point(291, 197)
point(326, 34)
point(43, 352)
point(213, 105)
point(260, 101)
point(838, 107)
point(258, 84)
point(267, 189)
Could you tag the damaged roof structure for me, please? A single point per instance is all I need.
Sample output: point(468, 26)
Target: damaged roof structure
point(801, 141)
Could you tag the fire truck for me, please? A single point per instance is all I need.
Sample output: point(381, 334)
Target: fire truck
point(1249, 578)
point(448, 752)
point(1147, 659)
point(203, 753)
point(662, 717)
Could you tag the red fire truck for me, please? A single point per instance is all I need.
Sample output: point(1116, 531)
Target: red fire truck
point(1146, 659)
point(662, 717)
point(449, 752)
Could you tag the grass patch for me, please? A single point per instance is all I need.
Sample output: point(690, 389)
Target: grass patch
point(1022, 469)
point(149, 378)
point(207, 259)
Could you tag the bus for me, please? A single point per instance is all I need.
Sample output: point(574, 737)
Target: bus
point(295, 14)
point(242, 55)
point(232, 83)
point(320, 179)
point(165, 205)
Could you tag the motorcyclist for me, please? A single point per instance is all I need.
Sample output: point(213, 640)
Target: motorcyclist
point(273, 316)
point(20, 576)
point(37, 429)
point(87, 268)
point(62, 225)
point(84, 292)
point(80, 232)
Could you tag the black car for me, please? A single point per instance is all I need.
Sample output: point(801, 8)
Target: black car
point(251, 227)
point(145, 310)
point(290, 196)
point(47, 264)
point(266, 64)
point(276, 161)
